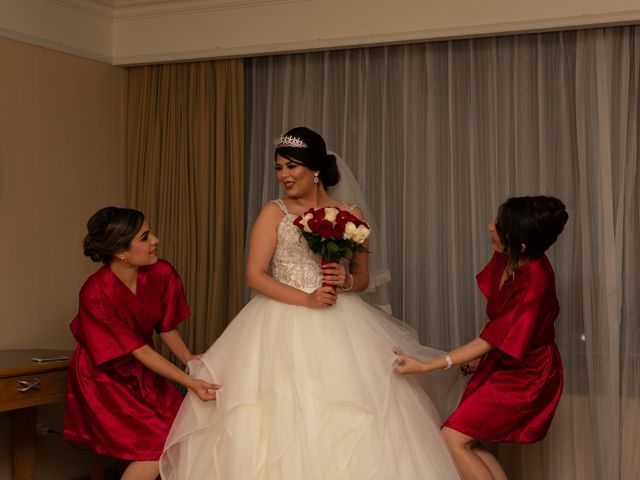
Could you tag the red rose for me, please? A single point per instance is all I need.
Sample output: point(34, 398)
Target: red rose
point(338, 230)
point(313, 224)
point(325, 228)
point(342, 218)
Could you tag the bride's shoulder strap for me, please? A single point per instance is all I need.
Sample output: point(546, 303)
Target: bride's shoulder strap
point(350, 208)
point(281, 205)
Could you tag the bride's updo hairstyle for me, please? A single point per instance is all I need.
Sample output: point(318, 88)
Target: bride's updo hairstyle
point(109, 231)
point(532, 222)
point(305, 147)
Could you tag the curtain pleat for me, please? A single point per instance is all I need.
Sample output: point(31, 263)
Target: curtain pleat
point(185, 172)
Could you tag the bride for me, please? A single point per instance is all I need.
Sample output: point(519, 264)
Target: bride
point(309, 391)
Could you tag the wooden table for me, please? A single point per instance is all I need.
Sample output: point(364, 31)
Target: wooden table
point(25, 384)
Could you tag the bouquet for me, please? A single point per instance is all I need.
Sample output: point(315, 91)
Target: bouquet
point(333, 233)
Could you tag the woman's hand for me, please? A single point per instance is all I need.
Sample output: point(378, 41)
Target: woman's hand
point(204, 390)
point(321, 297)
point(409, 365)
point(335, 274)
point(470, 367)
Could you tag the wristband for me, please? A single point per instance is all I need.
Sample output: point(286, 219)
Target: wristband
point(350, 283)
point(449, 362)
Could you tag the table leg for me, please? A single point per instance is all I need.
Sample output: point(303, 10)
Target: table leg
point(97, 467)
point(23, 427)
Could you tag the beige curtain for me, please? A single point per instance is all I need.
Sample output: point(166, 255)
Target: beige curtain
point(185, 172)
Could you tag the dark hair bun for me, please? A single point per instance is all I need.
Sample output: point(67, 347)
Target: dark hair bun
point(329, 175)
point(534, 222)
point(109, 231)
point(558, 215)
point(92, 250)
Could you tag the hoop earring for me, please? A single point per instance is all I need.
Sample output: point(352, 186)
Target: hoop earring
point(316, 180)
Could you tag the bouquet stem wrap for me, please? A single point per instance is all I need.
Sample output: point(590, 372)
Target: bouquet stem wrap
point(323, 262)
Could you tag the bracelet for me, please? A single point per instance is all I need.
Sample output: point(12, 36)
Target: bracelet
point(350, 283)
point(449, 362)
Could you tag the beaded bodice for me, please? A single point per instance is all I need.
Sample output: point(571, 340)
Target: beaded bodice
point(293, 263)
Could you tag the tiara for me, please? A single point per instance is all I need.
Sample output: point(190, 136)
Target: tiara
point(290, 141)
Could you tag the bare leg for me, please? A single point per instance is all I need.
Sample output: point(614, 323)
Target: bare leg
point(491, 462)
point(142, 470)
point(470, 465)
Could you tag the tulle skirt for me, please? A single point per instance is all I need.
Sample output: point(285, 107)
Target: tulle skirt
point(311, 395)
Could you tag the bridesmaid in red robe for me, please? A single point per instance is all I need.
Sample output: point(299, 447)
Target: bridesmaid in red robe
point(517, 383)
point(119, 401)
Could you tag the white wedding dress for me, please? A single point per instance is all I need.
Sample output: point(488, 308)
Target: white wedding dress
point(310, 394)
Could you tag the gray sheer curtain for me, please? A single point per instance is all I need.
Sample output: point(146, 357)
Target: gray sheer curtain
point(438, 135)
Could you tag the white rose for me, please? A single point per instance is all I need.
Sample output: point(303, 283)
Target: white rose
point(361, 234)
point(330, 214)
point(305, 222)
point(350, 230)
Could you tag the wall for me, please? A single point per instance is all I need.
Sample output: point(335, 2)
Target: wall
point(61, 158)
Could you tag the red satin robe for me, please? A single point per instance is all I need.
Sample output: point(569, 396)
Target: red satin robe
point(513, 394)
point(114, 403)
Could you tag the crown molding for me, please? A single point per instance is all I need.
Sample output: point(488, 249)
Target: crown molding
point(113, 16)
point(135, 9)
point(440, 34)
point(141, 9)
point(98, 8)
